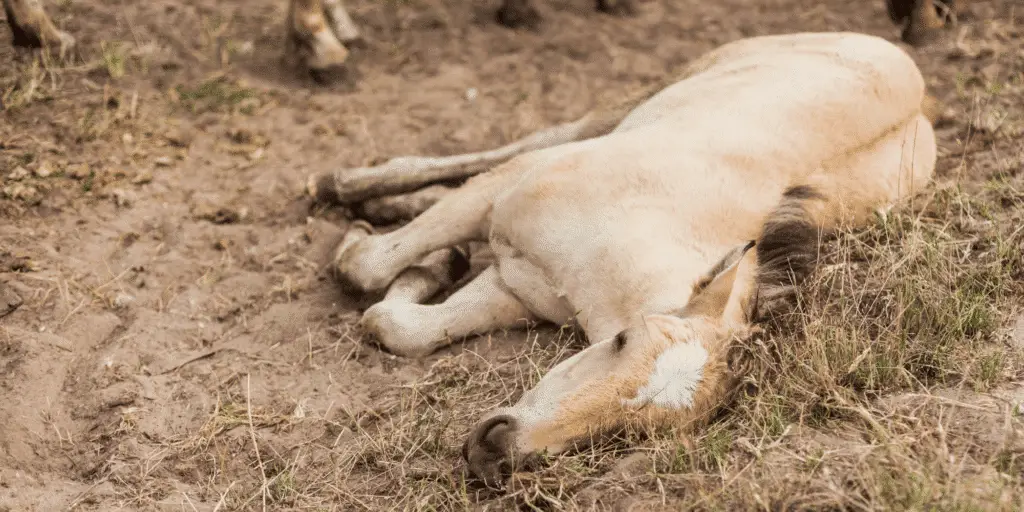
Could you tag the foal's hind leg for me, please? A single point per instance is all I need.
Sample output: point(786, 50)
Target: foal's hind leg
point(415, 330)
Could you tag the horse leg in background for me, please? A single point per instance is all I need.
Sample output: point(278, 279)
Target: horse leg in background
point(341, 23)
point(310, 42)
point(33, 28)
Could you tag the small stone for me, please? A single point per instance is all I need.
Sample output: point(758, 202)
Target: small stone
point(219, 215)
point(471, 94)
point(164, 161)
point(122, 198)
point(22, 192)
point(43, 170)
point(633, 465)
point(123, 300)
point(19, 173)
point(180, 137)
point(127, 138)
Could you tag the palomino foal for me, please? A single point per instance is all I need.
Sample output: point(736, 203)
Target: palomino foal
point(657, 238)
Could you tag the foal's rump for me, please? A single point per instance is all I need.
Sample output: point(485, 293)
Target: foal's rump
point(628, 221)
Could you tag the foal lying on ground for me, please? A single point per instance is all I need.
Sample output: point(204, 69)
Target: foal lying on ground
point(660, 237)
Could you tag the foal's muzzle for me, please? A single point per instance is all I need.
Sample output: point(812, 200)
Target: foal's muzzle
point(490, 448)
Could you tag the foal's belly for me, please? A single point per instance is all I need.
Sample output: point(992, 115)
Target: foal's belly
point(529, 284)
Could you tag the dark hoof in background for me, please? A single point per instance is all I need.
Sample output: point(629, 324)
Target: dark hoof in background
point(345, 76)
point(616, 7)
point(518, 17)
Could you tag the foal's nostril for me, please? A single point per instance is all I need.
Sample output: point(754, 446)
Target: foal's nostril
point(492, 424)
point(488, 449)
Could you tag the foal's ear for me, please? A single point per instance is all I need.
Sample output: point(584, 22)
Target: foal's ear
point(728, 295)
point(742, 302)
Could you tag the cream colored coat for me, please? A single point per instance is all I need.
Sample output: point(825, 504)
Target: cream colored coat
point(617, 232)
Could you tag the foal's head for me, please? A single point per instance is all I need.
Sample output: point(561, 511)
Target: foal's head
point(666, 369)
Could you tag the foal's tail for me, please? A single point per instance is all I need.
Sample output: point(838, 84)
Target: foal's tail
point(845, 192)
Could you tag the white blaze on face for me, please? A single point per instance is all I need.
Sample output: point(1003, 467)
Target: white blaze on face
point(673, 382)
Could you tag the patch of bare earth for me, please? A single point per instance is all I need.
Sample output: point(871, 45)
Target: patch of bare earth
point(170, 339)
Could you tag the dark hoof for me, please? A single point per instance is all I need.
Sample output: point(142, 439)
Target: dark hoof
point(899, 10)
point(328, 76)
point(358, 43)
point(519, 17)
point(616, 7)
point(25, 39)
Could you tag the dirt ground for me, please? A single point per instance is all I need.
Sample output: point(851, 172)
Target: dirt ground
point(179, 344)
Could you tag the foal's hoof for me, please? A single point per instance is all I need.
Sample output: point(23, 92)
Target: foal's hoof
point(357, 230)
point(397, 326)
point(363, 263)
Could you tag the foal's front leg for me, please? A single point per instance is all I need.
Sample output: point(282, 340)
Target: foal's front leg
point(414, 330)
point(372, 263)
